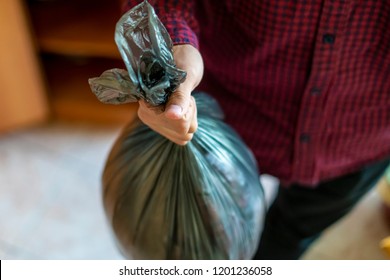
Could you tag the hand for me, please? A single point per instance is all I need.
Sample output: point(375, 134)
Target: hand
point(179, 120)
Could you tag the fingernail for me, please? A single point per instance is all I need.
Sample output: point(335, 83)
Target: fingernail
point(176, 109)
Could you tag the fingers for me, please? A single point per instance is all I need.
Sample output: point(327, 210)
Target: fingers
point(178, 105)
point(179, 131)
point(182, 141)
point(194, 121)
point(179, 121)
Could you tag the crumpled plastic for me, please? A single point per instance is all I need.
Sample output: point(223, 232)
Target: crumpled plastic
point(145, 47)
point(203, 200)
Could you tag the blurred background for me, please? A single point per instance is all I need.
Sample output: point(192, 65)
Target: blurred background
point(55, 136)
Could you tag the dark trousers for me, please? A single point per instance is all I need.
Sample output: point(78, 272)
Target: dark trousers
point(299, 214)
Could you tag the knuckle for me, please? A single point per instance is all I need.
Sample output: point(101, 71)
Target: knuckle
point(187, 137)
point(182, 127)
point(182, 140)
point(194, 126)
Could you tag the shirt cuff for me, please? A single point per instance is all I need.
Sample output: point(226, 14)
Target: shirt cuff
point(179, 22)
point(179, 30)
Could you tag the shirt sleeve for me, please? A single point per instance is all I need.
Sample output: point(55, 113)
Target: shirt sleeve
point(178, 17)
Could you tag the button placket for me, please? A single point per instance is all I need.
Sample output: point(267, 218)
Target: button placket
point(312, 106)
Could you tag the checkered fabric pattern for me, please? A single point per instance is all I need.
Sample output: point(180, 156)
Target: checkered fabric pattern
point(305, 83)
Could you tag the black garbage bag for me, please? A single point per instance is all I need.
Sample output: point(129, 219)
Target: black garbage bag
point(203, 200)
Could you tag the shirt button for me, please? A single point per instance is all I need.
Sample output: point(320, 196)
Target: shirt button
point(304, 138)
point(315, 91)
point(328, 38)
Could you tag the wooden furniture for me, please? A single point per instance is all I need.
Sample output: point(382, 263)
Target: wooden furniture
point(22, 92)
point(49, 50)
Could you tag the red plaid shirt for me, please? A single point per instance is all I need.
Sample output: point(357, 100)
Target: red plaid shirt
point(305, 83)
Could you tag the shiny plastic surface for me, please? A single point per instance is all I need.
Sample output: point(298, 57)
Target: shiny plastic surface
point(146, 49)
point(199, 201)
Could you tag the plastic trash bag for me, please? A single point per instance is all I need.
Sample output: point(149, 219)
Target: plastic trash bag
point(146, 49)
point(203, 200)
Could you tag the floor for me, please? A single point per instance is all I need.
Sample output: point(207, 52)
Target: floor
point(50, 204)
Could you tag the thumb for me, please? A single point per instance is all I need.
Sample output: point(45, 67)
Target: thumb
point(177, 105)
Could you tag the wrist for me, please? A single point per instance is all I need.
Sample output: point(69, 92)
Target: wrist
point(189, 59)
